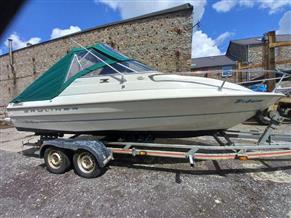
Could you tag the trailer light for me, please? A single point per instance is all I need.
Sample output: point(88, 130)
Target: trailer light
point(142, 153)
point(243, 158)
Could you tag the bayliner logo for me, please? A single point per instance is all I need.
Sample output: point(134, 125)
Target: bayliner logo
point(247, 101)
point(50, 109)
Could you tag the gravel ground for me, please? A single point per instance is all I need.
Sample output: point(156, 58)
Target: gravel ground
point(145, 187)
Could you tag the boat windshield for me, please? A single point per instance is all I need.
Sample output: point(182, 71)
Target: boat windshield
point(131, 66)
point(83, 60)
point(105, 46)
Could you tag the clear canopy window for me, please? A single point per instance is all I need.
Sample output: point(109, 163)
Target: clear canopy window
point(137, 66)
point(83, 60)
point(113, 50)
point(123, 67)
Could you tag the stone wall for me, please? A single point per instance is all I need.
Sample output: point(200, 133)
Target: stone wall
point(256, 57)
point(162, 41)
point(253, 55)
point(256, 54)
point(283, 57)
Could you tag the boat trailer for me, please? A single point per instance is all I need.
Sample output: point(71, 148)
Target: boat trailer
point(89, 157)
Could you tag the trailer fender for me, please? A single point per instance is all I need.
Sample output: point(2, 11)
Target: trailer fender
point(96, 147)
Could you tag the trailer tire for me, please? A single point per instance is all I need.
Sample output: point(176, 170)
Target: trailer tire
point(56, 160)
point(86, 165)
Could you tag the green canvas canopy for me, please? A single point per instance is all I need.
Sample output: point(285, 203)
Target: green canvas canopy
point(78, 62)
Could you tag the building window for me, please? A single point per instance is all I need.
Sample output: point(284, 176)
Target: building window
point(226, 71)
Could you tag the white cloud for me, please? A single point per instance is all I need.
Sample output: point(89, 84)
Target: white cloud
point(111, 3)
point(57, 32)
point(222, 37)
point(18, 43)
point(224, 5)
point(285, 23)
point(1, 51)
point(129, 8)
point(271, 5)
point(202, 45)
point(274, 5)
point(247, 3)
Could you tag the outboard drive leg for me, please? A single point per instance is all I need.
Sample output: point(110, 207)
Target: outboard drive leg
point(276, 119)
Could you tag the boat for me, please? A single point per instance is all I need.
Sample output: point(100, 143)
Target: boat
point(99, 91)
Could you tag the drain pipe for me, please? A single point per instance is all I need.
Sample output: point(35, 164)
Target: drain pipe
point(11, 62)
point(10, 52)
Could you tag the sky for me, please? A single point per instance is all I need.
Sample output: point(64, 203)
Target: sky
point(219, 21)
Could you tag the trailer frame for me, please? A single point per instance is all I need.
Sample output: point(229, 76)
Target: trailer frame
point(267, 144)
point(257, 144)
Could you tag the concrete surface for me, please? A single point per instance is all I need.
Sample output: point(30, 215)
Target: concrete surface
point(144, 187)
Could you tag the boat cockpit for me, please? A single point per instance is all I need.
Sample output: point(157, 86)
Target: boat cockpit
point(92, 61)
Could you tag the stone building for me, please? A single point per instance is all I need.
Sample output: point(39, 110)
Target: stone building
point(246, 54)
point(161, 39)
point(250, 52)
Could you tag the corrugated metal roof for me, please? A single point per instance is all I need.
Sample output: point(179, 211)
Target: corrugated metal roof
point(211, 61)
point(259, 40)
point(182, 7)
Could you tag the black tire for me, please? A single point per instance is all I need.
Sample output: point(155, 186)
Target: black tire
point(56, 160)
point(86, 165)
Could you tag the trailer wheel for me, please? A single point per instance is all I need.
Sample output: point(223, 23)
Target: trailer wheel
point(56, 160)
point(86, 165)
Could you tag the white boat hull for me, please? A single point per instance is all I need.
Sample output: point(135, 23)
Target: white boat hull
point(189, 114)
